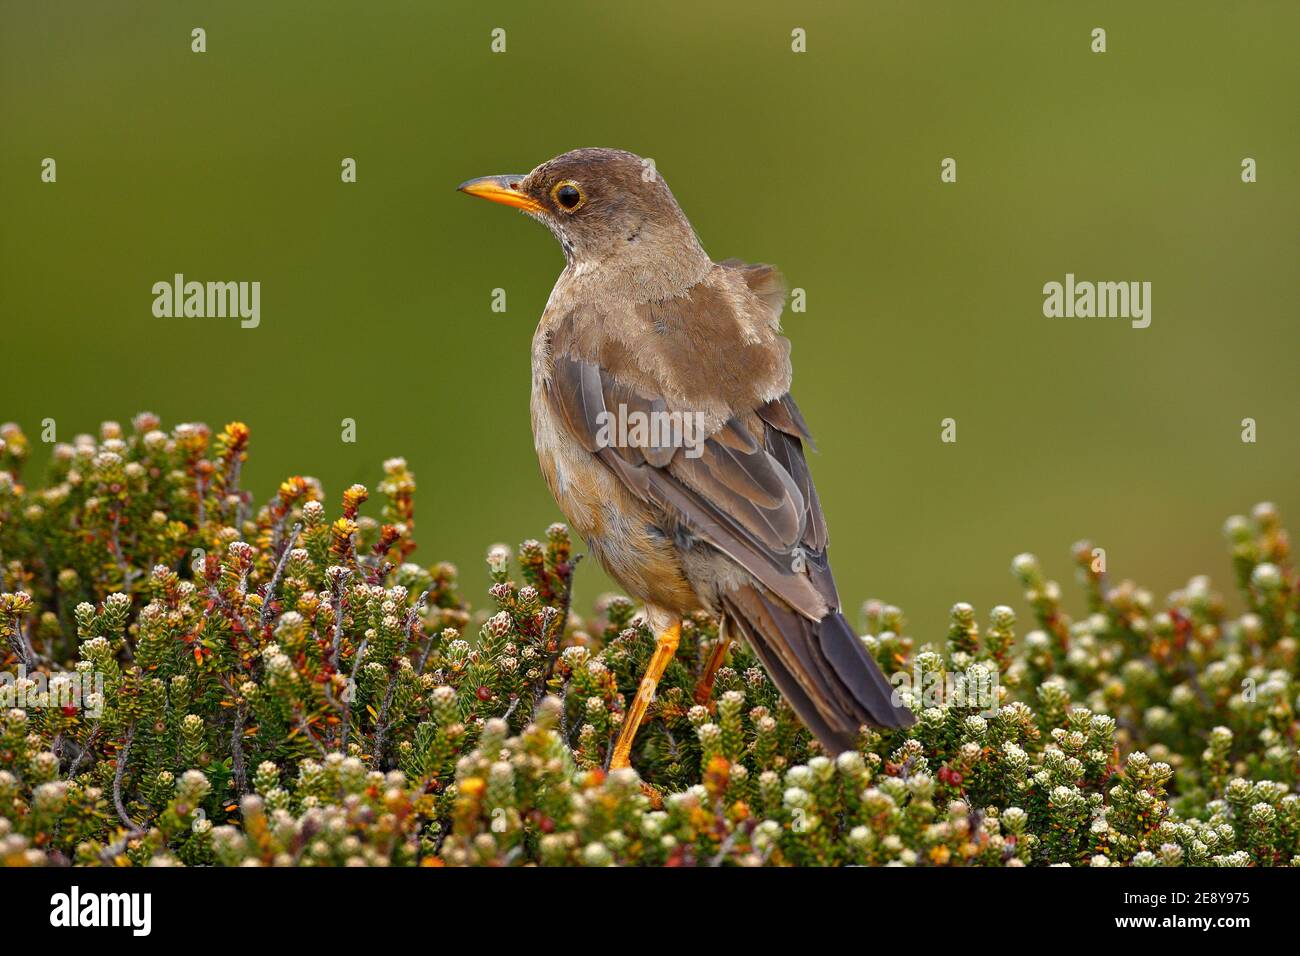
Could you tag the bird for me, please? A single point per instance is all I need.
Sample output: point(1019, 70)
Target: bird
point(665, 428)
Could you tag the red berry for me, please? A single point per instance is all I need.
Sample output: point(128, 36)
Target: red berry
point(483, 693)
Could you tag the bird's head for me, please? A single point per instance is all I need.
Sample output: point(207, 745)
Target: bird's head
point(603, 205)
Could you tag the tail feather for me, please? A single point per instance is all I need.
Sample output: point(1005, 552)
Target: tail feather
point(821, 667)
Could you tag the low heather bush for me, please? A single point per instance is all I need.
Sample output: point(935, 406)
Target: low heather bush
point(190, 679)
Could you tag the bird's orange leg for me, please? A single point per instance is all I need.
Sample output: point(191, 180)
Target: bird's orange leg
point(665, 648)
point(704, 689)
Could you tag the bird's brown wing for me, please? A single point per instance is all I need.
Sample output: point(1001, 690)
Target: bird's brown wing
point(746, 490)
point(752, 500)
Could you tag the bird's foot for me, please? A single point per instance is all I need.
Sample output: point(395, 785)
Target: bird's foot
point(655, 797)
point(704, 689)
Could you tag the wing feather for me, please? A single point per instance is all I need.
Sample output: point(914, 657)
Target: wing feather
point(753, 501)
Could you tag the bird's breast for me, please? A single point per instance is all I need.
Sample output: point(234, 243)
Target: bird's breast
point(621, 531)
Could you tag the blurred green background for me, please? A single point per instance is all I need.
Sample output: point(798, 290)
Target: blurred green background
point(924, 299)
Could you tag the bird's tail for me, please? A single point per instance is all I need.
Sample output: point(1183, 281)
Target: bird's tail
point(821, 667)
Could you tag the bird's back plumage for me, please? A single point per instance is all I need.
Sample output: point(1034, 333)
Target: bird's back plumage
point(739, 515)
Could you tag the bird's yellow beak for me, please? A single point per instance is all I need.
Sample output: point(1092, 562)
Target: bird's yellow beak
point(502, 189)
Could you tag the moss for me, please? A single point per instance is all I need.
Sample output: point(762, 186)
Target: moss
point(195, 680)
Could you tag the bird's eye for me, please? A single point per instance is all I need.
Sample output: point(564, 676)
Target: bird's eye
point(568, 195)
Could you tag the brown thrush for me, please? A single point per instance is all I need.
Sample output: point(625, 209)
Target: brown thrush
point(664, 425)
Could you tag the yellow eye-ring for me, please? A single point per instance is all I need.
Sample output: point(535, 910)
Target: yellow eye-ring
point(567, 195)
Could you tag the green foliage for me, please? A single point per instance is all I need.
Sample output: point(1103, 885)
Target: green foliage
point(189, 679)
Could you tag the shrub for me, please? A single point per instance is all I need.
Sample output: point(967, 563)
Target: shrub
point(194, 680)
